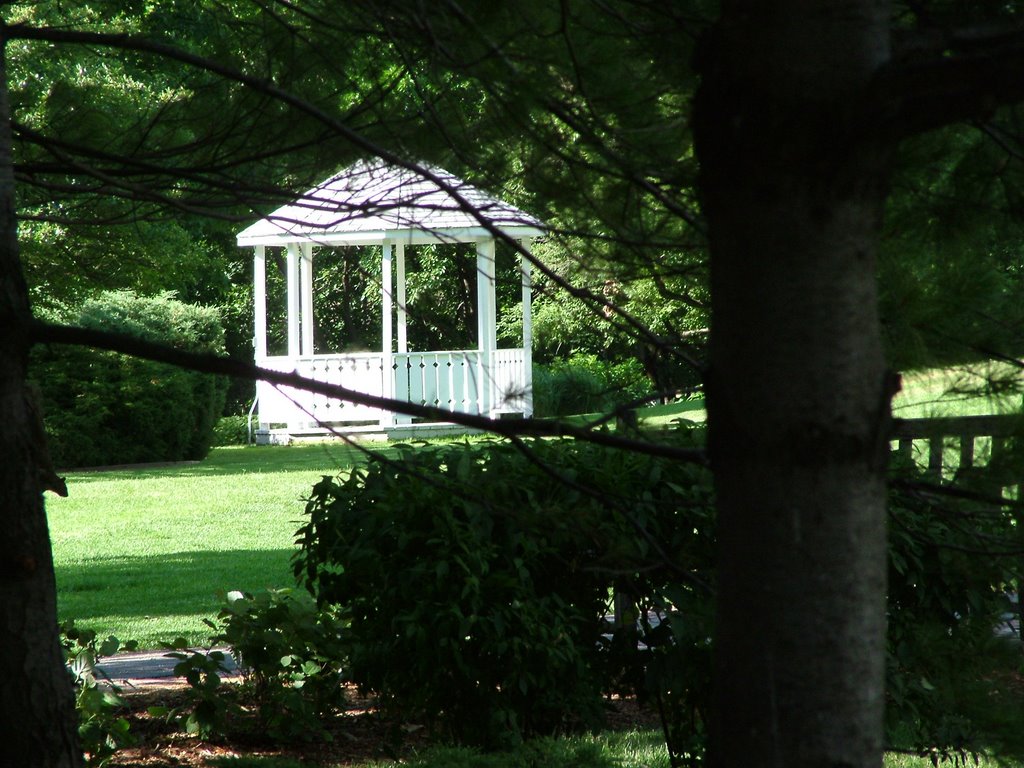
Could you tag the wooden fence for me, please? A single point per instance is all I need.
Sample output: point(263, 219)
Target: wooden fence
point(978, 445)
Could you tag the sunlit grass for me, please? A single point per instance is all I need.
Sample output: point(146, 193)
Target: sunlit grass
point(977, 389)
point(142, 553)
point(625, 749)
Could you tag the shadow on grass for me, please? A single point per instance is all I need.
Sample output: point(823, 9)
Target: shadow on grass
point(183, 583)
point(328, 458)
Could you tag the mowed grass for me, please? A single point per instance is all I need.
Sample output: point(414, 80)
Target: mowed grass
point(977, 389)
point(142, 553)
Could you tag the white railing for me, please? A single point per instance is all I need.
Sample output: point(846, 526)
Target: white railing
point(511, 383)
point(447, 380)
point(360, 372)
point(456, 381)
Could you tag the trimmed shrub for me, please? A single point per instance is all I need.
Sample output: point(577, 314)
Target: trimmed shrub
point(106, 408)
point(477, 582)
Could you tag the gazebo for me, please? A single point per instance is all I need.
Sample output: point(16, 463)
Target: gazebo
point(375, 204)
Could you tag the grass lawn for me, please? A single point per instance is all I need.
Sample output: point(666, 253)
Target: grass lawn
point(141, 553)
point(971, 390)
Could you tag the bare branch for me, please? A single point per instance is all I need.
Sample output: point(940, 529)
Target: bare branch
point(47, 333)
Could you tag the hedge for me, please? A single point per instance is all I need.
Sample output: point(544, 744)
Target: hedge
point(105, 408)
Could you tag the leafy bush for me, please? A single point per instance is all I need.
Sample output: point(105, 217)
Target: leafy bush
point(231, 430)
point(106, 408)
point(477, 582)
point(952, 678)
point(291, 654)
point(101, 726)
point(208, 708)
point(586, 384)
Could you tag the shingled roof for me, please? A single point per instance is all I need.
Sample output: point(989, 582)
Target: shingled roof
point(373, 202)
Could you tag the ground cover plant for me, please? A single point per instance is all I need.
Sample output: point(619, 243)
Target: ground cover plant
point(142, 553)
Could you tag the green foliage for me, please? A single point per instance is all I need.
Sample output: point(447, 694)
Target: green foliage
point(230, 430)
point(106, 408)
point(586, 384)
point(483, 612)
point(101, 727)
point(208, 708)
point(291, 653)
point(951, 677)
point(677, 669)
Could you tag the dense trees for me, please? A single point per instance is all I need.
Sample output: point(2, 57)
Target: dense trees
point(798, 122)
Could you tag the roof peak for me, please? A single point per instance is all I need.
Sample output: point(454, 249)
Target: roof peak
point(371, 200)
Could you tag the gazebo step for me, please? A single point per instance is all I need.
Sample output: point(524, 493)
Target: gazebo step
point(284, 436)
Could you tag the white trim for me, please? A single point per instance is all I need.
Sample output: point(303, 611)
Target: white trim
point(297, 234)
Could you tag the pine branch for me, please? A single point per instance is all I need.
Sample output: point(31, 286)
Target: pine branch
point(948, 78)
point(48, 333)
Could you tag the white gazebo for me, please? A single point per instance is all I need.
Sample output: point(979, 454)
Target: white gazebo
point(374, 204)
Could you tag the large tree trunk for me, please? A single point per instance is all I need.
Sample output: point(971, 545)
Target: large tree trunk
point(798, 394)
point(37, 715)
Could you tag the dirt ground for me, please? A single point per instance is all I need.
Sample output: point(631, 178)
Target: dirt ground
point(358, 735)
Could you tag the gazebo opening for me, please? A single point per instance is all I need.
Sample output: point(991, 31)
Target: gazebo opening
point(381, 281)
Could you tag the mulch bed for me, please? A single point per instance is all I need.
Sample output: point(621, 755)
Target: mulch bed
point(359, 734)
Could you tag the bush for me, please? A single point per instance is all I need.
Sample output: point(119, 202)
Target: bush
point(102, 727)
point(106, 408)
point(477, 583)
point(291, 654)
point(231, 430)
point(587, 384)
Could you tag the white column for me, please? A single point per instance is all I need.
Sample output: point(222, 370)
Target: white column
point(259, 339)
point(486, 322)
point(403, 345)
point(306, 300)
point(524, 268)
point(387, 335)
point(259, 300)
point(292, 309)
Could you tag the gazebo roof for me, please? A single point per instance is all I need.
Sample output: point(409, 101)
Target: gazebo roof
point(372, 202)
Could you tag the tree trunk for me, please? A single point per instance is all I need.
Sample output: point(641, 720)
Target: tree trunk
point(798, 393)
point(37, 715)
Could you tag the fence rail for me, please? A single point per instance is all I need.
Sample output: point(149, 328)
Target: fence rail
point(967, 437)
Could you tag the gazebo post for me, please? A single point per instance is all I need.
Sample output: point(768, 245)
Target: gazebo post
point(403, 344)
point(387, 418)
point(402, 374)
point(306, 300)
point(259, 299)
point(525, 266)
point(292, 308)
point(486, 322)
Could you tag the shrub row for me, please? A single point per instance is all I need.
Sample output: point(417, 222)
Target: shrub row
point(105, 408)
